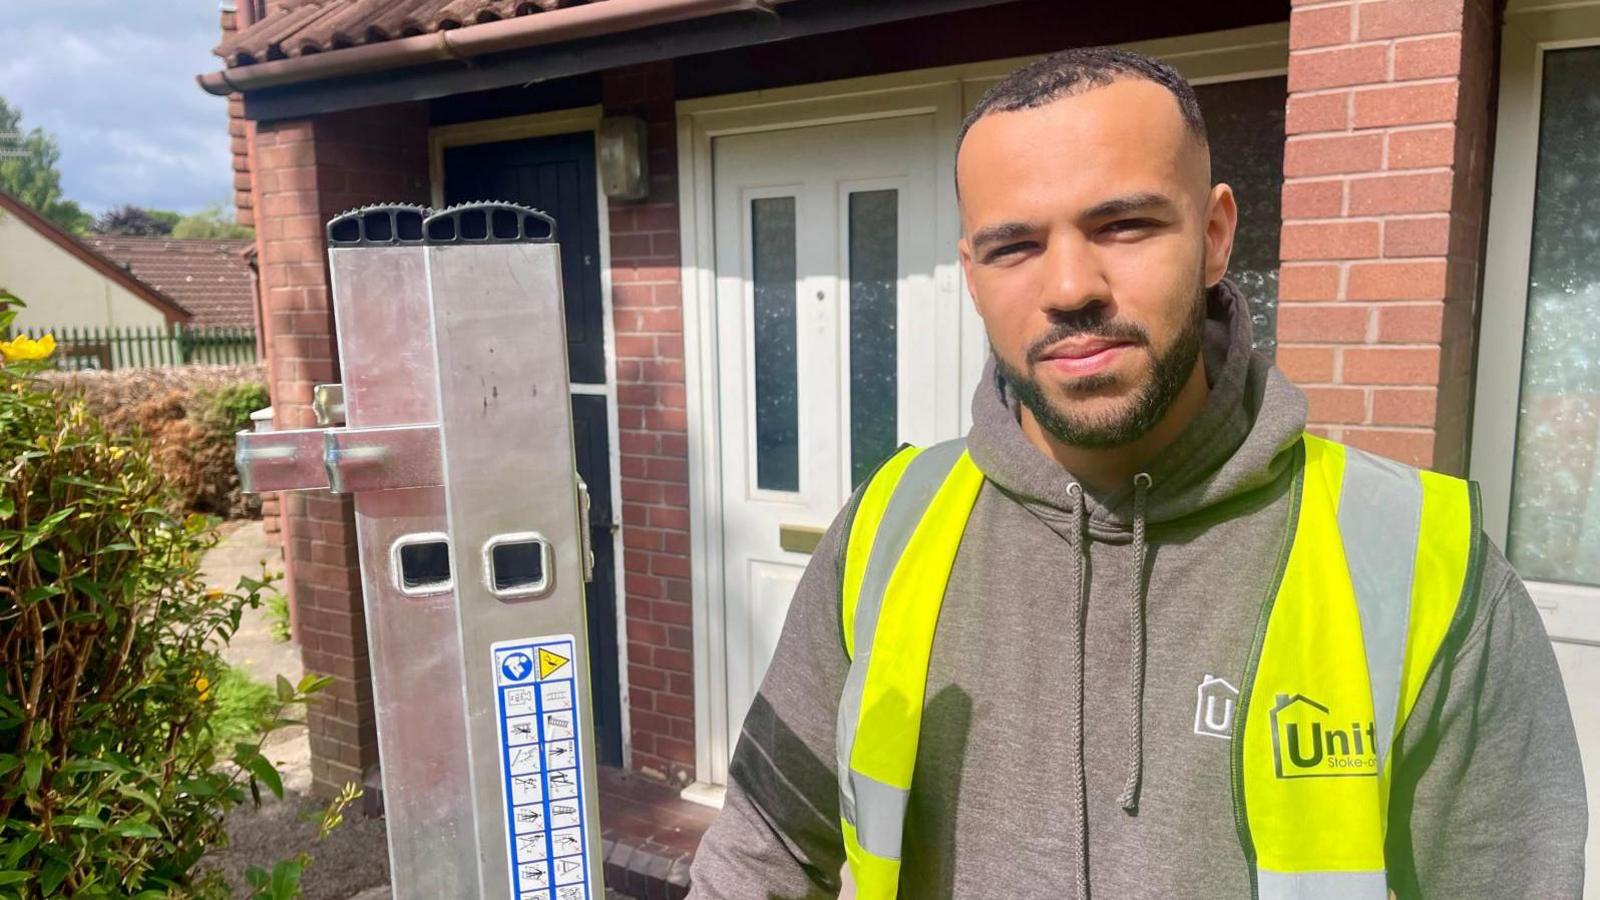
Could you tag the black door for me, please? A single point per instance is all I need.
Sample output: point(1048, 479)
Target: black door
point(556, 174)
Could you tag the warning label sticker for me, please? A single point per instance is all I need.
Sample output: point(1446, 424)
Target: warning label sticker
point(541, 766)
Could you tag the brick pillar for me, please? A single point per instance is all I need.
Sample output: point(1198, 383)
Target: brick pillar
point(648, 306)
point(305, 172)
point(1385, 187)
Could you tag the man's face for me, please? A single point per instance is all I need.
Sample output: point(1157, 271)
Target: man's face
point(1090, 233)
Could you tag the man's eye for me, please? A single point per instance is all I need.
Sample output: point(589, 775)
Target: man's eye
point(1008, 250)
point(1126, 225)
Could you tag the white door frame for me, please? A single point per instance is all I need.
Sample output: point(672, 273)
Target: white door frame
point(945, 93)
point(548, 124)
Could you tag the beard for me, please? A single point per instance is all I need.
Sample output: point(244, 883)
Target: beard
point(1163, 381)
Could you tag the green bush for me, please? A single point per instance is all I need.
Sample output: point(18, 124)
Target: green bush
point(278, 617)
point(228, 409)
point(111, 783)
point(189, 414)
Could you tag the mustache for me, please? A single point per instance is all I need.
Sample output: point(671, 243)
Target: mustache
point(1091, 322)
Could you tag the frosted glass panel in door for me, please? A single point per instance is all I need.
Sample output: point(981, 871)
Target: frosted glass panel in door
point(775, 371)
point(874, 294)
point(1555, 492)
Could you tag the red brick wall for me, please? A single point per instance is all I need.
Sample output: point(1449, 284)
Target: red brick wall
point(306, 172)
point(1383, 202)
point(651, 413)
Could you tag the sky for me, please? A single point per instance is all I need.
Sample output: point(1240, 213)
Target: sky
point(113, 80)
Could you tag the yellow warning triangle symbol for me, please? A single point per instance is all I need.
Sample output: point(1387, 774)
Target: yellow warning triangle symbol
point(550, 662)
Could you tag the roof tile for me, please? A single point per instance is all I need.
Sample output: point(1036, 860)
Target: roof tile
point(301, 27)
point(209, 278)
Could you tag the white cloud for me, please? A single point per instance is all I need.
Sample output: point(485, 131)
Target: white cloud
point(114, 82)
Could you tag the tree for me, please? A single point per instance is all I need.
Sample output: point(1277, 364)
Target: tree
point(135, 220)
point(211, 223)
point(28, 171)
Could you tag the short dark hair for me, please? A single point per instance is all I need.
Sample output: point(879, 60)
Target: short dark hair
point(1081, 69)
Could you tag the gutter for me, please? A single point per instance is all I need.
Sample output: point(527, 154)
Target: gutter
point(531, 30)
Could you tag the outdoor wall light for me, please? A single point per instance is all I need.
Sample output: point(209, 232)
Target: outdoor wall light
point(623, 173)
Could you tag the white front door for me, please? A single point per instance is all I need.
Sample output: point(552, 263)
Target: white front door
point(825, 251)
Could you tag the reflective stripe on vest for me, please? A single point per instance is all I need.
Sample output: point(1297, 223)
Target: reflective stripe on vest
point(1371, 579)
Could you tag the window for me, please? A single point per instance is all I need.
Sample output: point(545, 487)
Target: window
point(1554, 531)
point(1244, 124)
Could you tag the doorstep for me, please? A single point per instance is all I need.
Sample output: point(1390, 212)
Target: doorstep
point(649, 835)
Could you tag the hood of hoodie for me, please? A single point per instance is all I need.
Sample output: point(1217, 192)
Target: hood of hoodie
point(1239, 442)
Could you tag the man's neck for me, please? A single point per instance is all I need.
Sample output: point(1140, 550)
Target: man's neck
point(1111, 468)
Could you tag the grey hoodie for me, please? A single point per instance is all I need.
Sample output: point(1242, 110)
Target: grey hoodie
point(1059, 754)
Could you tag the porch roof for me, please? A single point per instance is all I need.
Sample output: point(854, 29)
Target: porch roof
point(298, 28)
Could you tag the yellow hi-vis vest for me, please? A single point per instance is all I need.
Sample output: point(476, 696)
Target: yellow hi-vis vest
point(1373, 570)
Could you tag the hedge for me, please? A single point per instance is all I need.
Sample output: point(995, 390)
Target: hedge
point(190, 415)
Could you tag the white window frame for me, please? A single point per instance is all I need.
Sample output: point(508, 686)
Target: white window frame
point(1571, 612)
point(946, 92)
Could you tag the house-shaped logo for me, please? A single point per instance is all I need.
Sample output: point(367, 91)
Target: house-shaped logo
point(1214, 703)
point(1310, 741)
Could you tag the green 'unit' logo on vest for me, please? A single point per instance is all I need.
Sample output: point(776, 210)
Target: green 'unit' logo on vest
point(1311, 741)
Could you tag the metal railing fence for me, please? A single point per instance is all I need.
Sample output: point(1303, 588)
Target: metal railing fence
point(127, 347)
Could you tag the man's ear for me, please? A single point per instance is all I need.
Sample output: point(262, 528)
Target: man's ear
point(1222, 218)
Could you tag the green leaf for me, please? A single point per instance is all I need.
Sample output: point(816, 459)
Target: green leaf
point(135, 828)
point(311, 684)
point(89, 822)
point(8, 507)
point(8, 761)
point(118, 547)
point(285, 690)
point(33, 769)
point(286, 879)
point(198, 787)
point(262, 768)
point(51, 876)
point(19, 849)
point(89, 586)
point(84, 764)
point(40, 592)
point(14, 877)
point(141, 796)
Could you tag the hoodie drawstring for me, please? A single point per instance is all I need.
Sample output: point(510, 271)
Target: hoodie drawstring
point(1080, 522)
point(1136, 637)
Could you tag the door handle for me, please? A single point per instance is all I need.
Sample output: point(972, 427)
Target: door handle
point(799, 538)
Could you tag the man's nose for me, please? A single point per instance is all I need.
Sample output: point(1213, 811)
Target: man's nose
point(1074, 278)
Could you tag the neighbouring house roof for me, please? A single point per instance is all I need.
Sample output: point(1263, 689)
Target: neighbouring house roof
point(302, 27)
point(210, 278)
point(59, 236)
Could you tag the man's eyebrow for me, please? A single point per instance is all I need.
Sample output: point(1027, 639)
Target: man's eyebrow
point(1121, 206)
point(1004, 231)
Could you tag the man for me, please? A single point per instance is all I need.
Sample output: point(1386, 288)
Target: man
point(1183, 649)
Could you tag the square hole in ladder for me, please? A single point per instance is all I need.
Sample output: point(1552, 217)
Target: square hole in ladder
point(424, 566)
point(517, 567)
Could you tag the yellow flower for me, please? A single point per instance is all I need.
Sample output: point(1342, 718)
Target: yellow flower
point(23, 348)
point(213, 593)
point(202, 686)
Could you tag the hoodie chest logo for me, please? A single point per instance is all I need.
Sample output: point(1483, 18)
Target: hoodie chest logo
point(1214, 705)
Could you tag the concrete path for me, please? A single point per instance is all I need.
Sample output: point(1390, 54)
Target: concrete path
point(354, 860)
